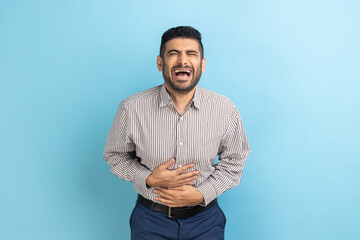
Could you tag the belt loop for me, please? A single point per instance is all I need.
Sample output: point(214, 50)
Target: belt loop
point(152, 206)
point(169, 213)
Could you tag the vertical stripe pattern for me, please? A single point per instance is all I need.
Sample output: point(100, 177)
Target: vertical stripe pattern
point(147, 131)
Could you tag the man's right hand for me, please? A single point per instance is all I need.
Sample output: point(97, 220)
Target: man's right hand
point(163, 177)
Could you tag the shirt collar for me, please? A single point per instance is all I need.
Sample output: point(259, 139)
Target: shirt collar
point(165, 99)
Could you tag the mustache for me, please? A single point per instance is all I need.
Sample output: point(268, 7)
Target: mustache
point(179, 66)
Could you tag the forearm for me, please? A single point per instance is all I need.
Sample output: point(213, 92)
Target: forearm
point(127, 167)
point(227, 175)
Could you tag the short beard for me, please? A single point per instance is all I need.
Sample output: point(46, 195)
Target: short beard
point(194, 81)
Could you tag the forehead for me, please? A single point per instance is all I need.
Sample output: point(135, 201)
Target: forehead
point(183, 44)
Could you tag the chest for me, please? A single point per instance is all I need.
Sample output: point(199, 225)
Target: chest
point(193, 137)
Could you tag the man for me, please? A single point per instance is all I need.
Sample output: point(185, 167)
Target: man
point(165, 140)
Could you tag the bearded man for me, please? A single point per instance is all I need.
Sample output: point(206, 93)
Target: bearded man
point(165, 141)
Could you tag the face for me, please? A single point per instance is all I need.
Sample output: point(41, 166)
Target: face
point(181, 64)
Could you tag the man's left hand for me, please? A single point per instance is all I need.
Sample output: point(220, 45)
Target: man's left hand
point(181, 196)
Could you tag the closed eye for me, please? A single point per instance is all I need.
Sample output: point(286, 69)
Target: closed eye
point(192, 53)
point(173, 52)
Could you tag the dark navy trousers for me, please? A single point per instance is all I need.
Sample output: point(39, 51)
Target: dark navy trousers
point(146, 224)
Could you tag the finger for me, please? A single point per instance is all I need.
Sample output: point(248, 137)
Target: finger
point(166, 192)
point(164, 195)
point(182, 182)
point(178, 188)
point(187, 176)
point(162, 190)
point(184, 168)
point(168, 163)
point(166, 202)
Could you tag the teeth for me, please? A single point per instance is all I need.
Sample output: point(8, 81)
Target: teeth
point(187, 71)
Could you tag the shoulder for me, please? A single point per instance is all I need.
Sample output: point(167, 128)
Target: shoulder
point(210, 97)
point(142, 97)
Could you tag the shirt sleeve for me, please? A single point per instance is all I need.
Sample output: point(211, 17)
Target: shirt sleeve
point(234, 150)
point(120, 153)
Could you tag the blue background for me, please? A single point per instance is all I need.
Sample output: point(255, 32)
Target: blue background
point(291, 68)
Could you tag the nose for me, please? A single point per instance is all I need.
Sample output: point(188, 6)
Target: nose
point(183, 60)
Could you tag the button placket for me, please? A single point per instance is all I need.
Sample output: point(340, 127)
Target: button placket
point(180, 142)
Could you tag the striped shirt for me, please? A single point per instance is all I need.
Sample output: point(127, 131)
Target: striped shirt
point(148, 130)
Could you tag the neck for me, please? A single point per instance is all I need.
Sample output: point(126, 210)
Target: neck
point(180, 99)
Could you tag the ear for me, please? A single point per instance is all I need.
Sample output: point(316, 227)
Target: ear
point(203, 65)
point(159, 63)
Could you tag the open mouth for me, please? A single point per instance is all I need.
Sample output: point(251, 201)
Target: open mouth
point(182, 74)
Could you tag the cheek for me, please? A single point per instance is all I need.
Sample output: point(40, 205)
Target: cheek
point(167, 66)
point(199, 69)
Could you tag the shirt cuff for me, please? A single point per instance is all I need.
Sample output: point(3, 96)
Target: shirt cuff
point(141, 175)
point(208, 191)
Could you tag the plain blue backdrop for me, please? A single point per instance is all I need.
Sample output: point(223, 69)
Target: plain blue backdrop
point(291, 67)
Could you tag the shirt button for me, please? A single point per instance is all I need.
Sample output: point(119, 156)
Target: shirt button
point(181, 118)
point(180, 143)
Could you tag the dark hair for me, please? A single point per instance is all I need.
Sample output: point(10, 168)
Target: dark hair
point(181, 32)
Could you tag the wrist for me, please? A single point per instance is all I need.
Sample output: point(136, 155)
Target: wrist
point(200, 198)
point(150, 181)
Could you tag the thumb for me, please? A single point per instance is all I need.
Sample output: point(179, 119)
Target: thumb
point(168, 163)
